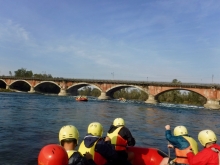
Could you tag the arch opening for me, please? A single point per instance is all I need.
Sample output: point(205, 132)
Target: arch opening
point(2, 84)
point(175, 96)
point(128, 93)
point(47, 88)
point(20, 86)
point(84, 89)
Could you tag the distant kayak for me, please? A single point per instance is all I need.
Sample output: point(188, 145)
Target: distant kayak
point(81, 98)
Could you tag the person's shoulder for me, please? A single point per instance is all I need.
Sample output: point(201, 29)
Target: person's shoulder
point(125, 128)
point(75, 158)
point(77, 154)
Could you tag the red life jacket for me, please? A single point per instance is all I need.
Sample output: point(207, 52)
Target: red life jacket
point(117, 140)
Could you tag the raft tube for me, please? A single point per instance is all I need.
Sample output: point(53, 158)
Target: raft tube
point(147, 156)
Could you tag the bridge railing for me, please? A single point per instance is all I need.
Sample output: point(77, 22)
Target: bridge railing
point(128, 82)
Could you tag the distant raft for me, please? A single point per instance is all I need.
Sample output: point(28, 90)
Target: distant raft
point(122, 99)
point(81, 98)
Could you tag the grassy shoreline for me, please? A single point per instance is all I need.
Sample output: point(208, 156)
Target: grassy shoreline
point(5, 90)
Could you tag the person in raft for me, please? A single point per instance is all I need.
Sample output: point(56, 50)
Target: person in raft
point(210, 155)
point(52, 154)
point(68, 138)
point(121, 137)
point(181, 142)
point(102, 151)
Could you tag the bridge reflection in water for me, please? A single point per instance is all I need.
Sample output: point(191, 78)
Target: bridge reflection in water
point(107, 87)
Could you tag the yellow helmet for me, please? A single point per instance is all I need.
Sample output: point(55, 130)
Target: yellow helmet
point(118, 122)
point(206, 136)
point(180, 130)
point(68, 132)
point(95, 129)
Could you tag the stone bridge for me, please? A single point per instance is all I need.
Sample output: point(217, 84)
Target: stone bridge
point(107, 87)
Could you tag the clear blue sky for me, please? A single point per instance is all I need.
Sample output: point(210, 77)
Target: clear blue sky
point(154, 40)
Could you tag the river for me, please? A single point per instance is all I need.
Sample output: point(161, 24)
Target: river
point(30, 121)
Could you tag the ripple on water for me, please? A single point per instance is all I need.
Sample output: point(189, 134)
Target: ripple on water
point(28, 122)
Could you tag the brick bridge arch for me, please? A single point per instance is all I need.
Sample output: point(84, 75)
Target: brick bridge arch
point(210, 91)
point(207, 93)
point(12, 82)
point(74, 87)
point(111, 90)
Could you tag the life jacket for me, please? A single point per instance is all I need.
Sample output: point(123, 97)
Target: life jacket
point(181, 156)
point(216, 150)
point(117, 140)
point(97, 157)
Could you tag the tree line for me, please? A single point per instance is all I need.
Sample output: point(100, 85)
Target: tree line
point(28, 73)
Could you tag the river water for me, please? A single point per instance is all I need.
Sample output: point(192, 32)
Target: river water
point(30, 121)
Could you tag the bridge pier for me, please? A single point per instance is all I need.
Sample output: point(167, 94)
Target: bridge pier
point(103, 96)
point(31, 90)
point(151, 100)
point(62, 92)
point(212, 104)
point(7, 87)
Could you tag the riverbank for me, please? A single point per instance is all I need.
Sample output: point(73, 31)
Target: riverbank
point(5, 90)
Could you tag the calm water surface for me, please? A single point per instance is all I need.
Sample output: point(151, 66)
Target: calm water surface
point(29, 121)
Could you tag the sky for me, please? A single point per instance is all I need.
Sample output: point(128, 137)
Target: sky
point(141, 40)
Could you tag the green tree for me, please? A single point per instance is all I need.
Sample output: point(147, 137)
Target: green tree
point(23, 73)
point(10, 73)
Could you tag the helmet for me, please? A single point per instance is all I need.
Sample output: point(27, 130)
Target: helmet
point(52, 154)
point(118, 122)
point(206, 136)
point(95, 128)
point(68, 132)
point(180, 130)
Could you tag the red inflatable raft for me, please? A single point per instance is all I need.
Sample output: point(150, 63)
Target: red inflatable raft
point(147, 156)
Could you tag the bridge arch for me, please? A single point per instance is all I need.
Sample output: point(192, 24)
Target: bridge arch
point(74, 88)
point(167, 89)
point(175, 89)
point(80, 85)
point(42, 82)
point(18, 81)
point(110, 91)
point(50, 87)
point(3, 83)
point(20, 85)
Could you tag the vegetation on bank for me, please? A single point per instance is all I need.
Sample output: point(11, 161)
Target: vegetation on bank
point(5, 90)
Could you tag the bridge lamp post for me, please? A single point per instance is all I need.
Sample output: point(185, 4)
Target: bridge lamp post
point(112, 75)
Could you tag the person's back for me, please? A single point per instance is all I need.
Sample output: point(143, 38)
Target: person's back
point(181, 141)
point(121, 137)
point(68, 137)
point(210, 154)
point(101, 150)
